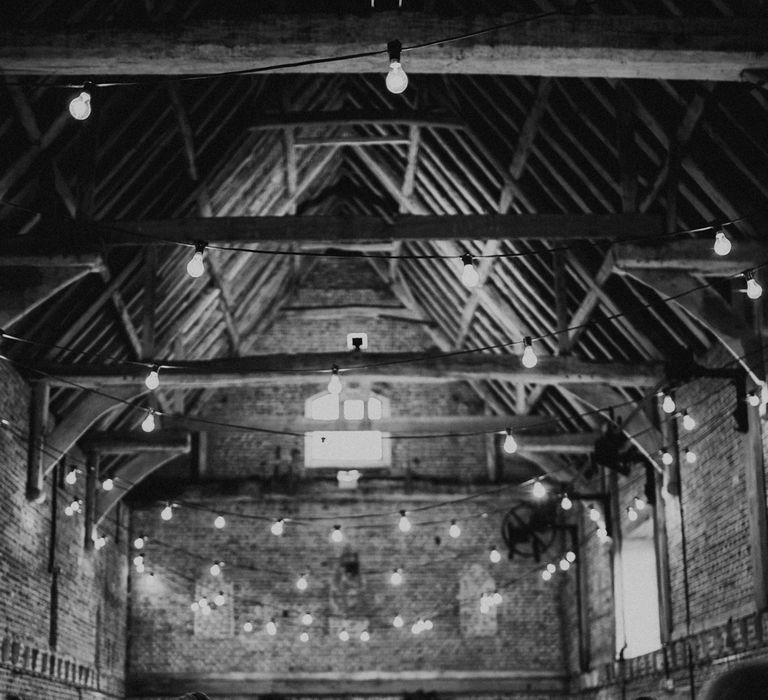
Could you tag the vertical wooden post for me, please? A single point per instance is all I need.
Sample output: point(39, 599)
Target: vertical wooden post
point(661, 543)
point(37, 430)
point(91, 476)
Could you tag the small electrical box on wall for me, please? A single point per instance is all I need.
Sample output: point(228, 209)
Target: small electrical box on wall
point(357, 341)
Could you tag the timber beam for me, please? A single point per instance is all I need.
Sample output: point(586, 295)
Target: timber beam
point(132, 442)
point(591, 45)
point(384, 367)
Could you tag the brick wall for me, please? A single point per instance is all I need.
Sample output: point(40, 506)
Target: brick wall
point(88, 657)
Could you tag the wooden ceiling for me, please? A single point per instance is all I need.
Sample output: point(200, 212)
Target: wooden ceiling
point(606, 142)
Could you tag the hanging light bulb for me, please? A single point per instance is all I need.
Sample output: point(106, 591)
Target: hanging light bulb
point(365, 636)
point(196, 266)
point(216, 568)
point(566, 503)
point(546, 575)
point(753, 399)
point(570, 556)
point(428, 625)
point(139, 542)
point(510, 444)
point(153, 378)
point(754, 289)
point(396, 577)
point(306, 619)
point(639, 503)
point(417, 627)
point(344, 635)
point(219, 522)
point(247, 627)
point(564, 565)
point(277, 527)
point(539, 490)
point(602, 533)
point(80, 105)
point(271, 627)
point(722, 243)
point(496, 598)
point(108, 484)
point(668, 403)
point(71, 476)
point(99, 542)
point(336, 534)
point(551, 568)
point(485, 604)
point(404, 523)
point(148, 424)
point(494, 555)
point(632, 514)
point(301, 582)
point(666, 458)
point(219, 599)
point(396, 80)
point(469, 276)
point(194, 606)
point(167, 512)
point(454, 530)
point(690, 456)
point(594, 514)
point(140, 568)
point(688, 421)
point(397, 621)
point(334, 384)
point(70, 509)
point(304, 637)
point(529, 359)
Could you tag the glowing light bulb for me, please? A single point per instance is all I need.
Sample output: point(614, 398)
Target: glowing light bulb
point(428, 625)
point(365, 636)
point(404, 523)
point(68, 511)
point(752, 399)
point(167, 512)
point(205, 609)
point(277, 527)
point(566, 503)
point(216, 568)
point(219, 522)
point(148, 424)
point(196, 266)
point(138, 560)
point(396, 577)
point(594, 514)
point(722, 243)
point(99, 542)
point(108, 484)
point(344, 635)
point(306, 619)
point(570, 556)
point(304, 637)
point(546, 575)
point(140, 569)
point(754, 289)
point(639, 503)
point(194, 606)
point(690, 457)
point(688, 421)
point(539, 490)
point(219, 599)
point(666, 458)
point(494, 555)
point(632, 514)
point(417, 627)
point(668, 403)
point(336, 534)
point(529, 358)
point(334, 384)
point(301, 582)
point(469, 276)
point(247, 627)
point(396, 80)
point(510, 444)
point(397, 621)
point(71, 476)
point(602, 534)
point(496, 598)
point(153, 378)
point(564, 565)
point(271, 628)
point(551, 568)
point(80, 106)
point(454, 530)
point(139, 542)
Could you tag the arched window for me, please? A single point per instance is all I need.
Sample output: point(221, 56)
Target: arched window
point(352, 441)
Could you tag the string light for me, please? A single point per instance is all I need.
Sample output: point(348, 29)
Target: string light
point(469, 275)
point(570, 556)
point(639, 503)
point(139, 542)
point(494, 555)
point(510, 444)
point(301, 582)
point(594, 514)
point(753, 399)
point(73, 507)
point(196, 266)
point(688, 421)
point(396, 577)
point(271, 627)
point(306, 619)
point(397, 621)
point(454, 530)
point(564, 565)
point(722, 243)
point(365, 636)
point(167, 512)
point(690, 456)
point(566, 503)
point(248, 627)
point(418, 626)
point(277, 527)
point(108, 484)
point(551, 568)
point(529, 358)
point(344, 635)
point(396, 80)
point(71, 476)
point(404, 523)
point(336, 534)
point(668, 403)
point(632, 514)
point(304, 637)
point(80, 105)
point(99, 542)
point(216, 568)
point(334, 384)
point(219, 522)
point(153, 378)
point(148, 424)
point(219, 599)
point(546, 575)
point(539, 490)
point(666, 458)
point(602, 534)
point(754, 289)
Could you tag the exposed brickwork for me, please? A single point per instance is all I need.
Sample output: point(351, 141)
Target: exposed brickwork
point(89, 653)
